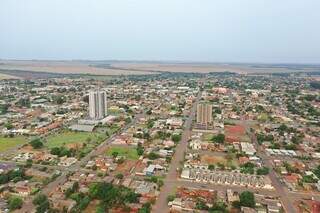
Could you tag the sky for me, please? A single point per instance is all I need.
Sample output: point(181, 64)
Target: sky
point(257, 31)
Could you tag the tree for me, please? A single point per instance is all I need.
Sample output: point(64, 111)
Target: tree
point(317, 171)
point(36, 143)
point(153, 156)
point(211, 167)
point(201, 205)
point(218, 206)
point(220, 138)
point(263, 171)
point(43, 207)
point(146, 208)
point(170, 198)
point(55, 151)
point(115, 154)
point(236, 204)
point(140, 149)
point(247, 168)
point(15, 203)
point(59, 99)
point(176, 137)
point(119, 176)
point(8, 126)
point(40, 198)
point(247, 199)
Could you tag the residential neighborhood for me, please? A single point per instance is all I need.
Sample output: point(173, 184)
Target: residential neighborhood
point(227, 143)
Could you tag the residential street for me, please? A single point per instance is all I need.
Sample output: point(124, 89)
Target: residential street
point(170, 183)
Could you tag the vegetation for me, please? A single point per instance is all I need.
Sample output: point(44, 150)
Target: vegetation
point(7, 143)
point(153, 156)
point(62, 151)
point(13, 175)
point(176, 138)
point(15, 203)
point(36, 143)
point(263, 171)
point(247, 168)
point(140, 149)
point(220, 138)
point(247, 199)
point(111, 196)
point(127, 152)
point(42, 203)
point(68, 137)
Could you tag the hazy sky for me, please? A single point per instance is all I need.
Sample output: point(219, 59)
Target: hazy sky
point(197, 30)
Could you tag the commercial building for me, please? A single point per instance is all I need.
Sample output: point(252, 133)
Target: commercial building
point(97, 104)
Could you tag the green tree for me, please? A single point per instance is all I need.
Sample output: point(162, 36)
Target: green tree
point(115, 154)
point(36, 143)
point(211, 167)
point(119, 176)
point(153, 156)
point(263, 171)
point(40, 198)
point(176, 138)
point(247, 199)
point(220, 138)
point(8, 126)
point(15, 203)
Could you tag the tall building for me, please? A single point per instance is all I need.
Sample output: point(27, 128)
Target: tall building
point(204, 114)
point(97, 104)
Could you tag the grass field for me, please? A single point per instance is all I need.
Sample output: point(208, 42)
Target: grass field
point(128, 152)
point(8, 143)
point(67, 137)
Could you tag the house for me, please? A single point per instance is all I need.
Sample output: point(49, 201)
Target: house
point(65, 161)
point(22, 188)
point(195, 144)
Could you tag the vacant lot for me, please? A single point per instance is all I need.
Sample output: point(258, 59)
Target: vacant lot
point(9, 143)
point(64, 138)
point(127, 152)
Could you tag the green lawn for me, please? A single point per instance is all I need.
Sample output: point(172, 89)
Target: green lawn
point(8, 143)
point(60, 139)
point(128, 152)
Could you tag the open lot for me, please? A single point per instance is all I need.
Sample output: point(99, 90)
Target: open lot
point(127, 152)
point(8, 143)
point(64, 138)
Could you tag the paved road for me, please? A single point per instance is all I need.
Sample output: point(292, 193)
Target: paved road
point(29, 207)
point(170, 182)
point(280, 189)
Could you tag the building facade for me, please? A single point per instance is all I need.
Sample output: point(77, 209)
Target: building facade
point(97, 104)
point(204, 114)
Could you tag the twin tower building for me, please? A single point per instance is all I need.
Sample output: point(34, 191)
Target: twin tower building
point(97, 104)
point(98, 109)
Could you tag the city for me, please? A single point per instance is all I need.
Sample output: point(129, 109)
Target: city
point(216, 142)
point(163, 106)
